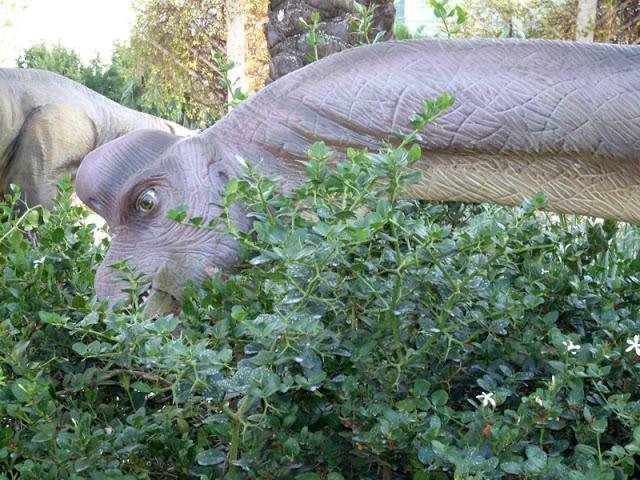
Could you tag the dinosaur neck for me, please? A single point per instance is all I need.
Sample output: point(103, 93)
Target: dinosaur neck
point(530, 116)
point(117, 120)
point(590, 185)
point(581, 183)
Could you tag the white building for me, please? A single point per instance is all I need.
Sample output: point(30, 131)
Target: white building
point(417, 14)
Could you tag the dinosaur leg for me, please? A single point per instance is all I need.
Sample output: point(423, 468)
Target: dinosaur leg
point(52, 142)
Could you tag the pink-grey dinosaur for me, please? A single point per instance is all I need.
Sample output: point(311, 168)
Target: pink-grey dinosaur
point(529, 116)
point(49, 123)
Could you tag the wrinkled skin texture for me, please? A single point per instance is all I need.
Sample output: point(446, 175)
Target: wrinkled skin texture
point(286, 36)
point(49, 123)
point(530, 116)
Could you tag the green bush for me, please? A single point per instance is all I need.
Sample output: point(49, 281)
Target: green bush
point(107, 80)
point(364, 336)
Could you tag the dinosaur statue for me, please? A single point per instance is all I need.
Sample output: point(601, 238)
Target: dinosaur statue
point(530, 115)
point(49, 123)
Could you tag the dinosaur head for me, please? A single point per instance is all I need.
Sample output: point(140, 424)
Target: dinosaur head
point(133, 182)
point(530, 116)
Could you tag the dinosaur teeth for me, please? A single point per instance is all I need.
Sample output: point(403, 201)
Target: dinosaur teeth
point(144, 296)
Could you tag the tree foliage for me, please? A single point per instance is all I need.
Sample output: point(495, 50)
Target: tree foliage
point(257, 58)
point(618, 21)
point(66, 62)
point(57, 59)
point(173, 43)
point(107, 79)
point(173, 67)
point(552, 19)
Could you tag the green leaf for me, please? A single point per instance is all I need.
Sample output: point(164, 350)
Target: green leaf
point(141, 387)
point(31, 220)
point(291, 447)
point(438, 8)
point(79, 347)
point(421, 388)
point(179, 214)
point(196, 221)
point(335, 476)
point(81, 464)
point(42, 437)
point(21, 389)
point(439, 398)
point(461, 15)
point(20, 348)
point(165, 324)
point(439, 448)
point(318, 150)
point(586, 449)
point(599, 425)
point(211, 457)
point(309, 476)
point(92, 318)
point(514, 468)
point(411, 178)
point(536, 459)
point(414, 154)
point(51, 318)
point(551, 318)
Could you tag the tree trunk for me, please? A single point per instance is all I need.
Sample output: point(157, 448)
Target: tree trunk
point(586, 20)
point(235, 11)
point(286, 34)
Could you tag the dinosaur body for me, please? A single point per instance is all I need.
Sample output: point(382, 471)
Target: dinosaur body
point(49, 123)
point(559, 117)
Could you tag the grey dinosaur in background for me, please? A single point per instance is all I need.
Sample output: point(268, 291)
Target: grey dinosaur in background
point(563, 118)
point(49, 123)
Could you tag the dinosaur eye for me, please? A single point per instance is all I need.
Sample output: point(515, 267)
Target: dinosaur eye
point(146, 201)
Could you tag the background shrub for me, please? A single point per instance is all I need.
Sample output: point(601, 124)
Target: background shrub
point(363, 336)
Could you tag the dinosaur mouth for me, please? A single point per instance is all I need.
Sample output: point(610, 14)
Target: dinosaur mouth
point(144, 296)
point(156, 303)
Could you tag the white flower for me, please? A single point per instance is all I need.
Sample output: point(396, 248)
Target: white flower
point(571, 347)
point(634, 344)
point(487, 399)
point(553, 381)
point(539, 401)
